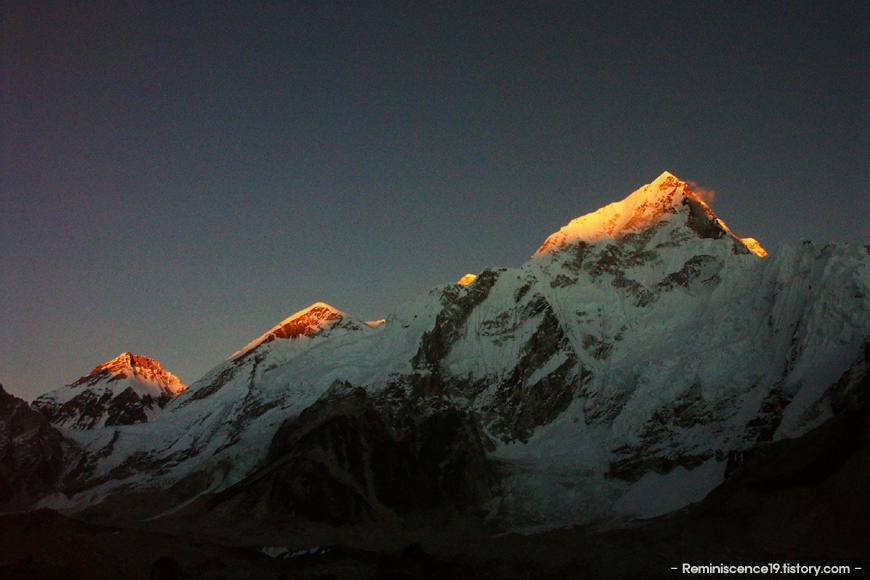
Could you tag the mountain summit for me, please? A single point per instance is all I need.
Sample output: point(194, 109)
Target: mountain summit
point(125, 390)
point(147, 372)
point(667, 200)
point(293, 337)
point(308, 322)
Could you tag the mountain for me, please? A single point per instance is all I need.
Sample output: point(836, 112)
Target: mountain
point(128, 389)
point(667, 200)
point(318, 320)
point(34, 456)
point(622, 372)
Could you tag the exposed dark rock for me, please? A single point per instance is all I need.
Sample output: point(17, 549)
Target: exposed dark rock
point(215, 385)
point(33, 454)
point(660, 448)
point(573, 256)
point(522, 291)
point(89, 408)
point(348, 459)
point(436, 343)
point(762, 427)
point(128, 408)
point(702, 220)
point(602, 407)
point(739, 248)
point(697, 270)
point(562, 281)
point(520, 405)
point(598, 348)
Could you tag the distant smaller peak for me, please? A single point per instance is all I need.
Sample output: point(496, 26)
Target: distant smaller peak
point(127, 365)
point(467, 279)
point(313, 316)
point(308, 322)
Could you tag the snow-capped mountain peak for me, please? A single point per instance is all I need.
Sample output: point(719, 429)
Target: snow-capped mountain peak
point(127, 389)
point(148, 375)
point(647, 348)
point(665, 199)
point(754, 246)
point(125, 360)
point(148, 372)
point(308, 322)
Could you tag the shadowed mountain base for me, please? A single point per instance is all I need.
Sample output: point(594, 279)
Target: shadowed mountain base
point(796, 501)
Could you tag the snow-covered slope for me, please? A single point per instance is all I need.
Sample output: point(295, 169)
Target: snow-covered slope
point(127, 389)
point(226, 419)
point(640, 349)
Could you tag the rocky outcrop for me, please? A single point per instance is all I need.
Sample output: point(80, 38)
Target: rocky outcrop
point(34, 456)
point(351, 458)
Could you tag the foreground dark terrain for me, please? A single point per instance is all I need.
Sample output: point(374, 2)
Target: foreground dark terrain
point(796, 501)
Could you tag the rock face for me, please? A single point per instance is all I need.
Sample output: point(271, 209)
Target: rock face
point(613, 375)
point(34, 456)
point(349, 458)
point(126, 390)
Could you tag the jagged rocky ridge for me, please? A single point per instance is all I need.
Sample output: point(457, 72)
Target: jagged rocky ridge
point(618, 373)
point(126, 390)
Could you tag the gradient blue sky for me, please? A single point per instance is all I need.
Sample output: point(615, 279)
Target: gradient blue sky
point(177, 179)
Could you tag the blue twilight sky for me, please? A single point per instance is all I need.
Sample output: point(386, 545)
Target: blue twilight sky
point(177, 177)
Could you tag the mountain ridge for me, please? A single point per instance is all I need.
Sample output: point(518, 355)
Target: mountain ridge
point(587, 379)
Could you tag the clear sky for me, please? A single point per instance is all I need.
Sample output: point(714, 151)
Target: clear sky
point(177, 177)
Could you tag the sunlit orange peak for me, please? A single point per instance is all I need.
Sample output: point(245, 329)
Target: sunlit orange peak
point(467, 279)
point(306, 321)
point(655, 201)
point(754, 246)
point(633, 213)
